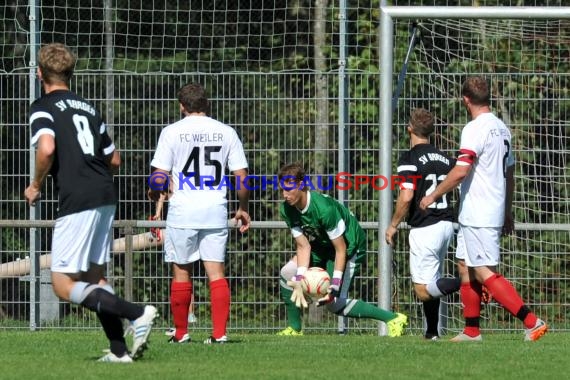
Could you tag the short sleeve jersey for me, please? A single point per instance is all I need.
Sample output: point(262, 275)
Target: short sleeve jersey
point(424, 167)
point(322, 220)
point(196, 151)
point(80, 171)
point(485, 144)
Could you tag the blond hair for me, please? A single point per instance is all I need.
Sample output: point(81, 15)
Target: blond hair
point(56, 63)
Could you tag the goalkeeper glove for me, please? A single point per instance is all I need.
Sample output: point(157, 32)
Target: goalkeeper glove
point(332, 292)
point(298, 298)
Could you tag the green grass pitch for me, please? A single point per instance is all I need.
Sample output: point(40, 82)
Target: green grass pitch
point(59, 355)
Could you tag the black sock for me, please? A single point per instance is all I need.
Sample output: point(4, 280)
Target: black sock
point(101, 301)
point(431, 312)
point(113, 327)
point(448, 285)
point(523, 312)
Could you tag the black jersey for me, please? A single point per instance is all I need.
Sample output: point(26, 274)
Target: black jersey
point(425, 166)
point(82, 176)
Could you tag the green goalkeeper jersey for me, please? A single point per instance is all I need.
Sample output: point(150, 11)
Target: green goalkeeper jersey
point(323, 219)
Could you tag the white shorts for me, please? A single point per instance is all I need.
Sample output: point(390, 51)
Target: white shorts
point(82, 238)
point(478, 246)
point(428, 248)
point(186, 245)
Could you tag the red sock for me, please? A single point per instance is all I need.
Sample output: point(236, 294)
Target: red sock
point(530, 320)
point(505, 294)
point(180, 296)
point(220, 306)
point(471, 299)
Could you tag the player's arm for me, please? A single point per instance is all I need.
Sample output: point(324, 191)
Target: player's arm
point(335, 227)
point(509, 224)
point(453, 179)
point(114, 161)
point(303, 258)
point(112, 156)
point(339, 245)
point(44, 159)
point(158, 184)
point(303, 251)
point(242, 214)
point(403, 203)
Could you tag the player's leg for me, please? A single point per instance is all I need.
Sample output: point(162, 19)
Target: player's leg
point(294, 321)
point(353, 308)
point(431, 314)
point(99, 256)
point(430, 295)
point(505, 294)
point(94, 297)
point(81, 246)
point(430, 305)
point(180, 299)
point(181, 250)
point(113, 327)
point(428, 248)
point(103, 301)
point(111, 324)
point(500, 288)
point(88, 251)
point(470, 291)
point(436, 285)
point(212, 249)
point(191, 316)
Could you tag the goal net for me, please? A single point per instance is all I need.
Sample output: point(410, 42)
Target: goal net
point(527, 63)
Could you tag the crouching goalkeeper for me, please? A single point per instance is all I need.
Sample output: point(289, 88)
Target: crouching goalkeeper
point(327, 235)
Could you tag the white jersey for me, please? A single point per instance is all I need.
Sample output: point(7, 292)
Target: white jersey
point(196, 150)
point(482, 194)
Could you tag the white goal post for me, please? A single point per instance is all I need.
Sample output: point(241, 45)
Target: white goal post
point(388, 17)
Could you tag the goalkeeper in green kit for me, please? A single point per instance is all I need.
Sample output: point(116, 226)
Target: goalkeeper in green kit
point(327, 235)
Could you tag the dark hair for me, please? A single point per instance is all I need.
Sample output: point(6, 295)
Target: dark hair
point(294, 170)
point(477, 90)
point(193, 98)
point(56, 63)
point(422, 122)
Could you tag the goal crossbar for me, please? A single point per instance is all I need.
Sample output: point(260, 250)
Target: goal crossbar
point(535, 13)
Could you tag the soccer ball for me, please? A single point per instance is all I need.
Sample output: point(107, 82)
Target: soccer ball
point(315, 283)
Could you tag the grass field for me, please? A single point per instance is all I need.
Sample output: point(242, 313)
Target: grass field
point(73, 354)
